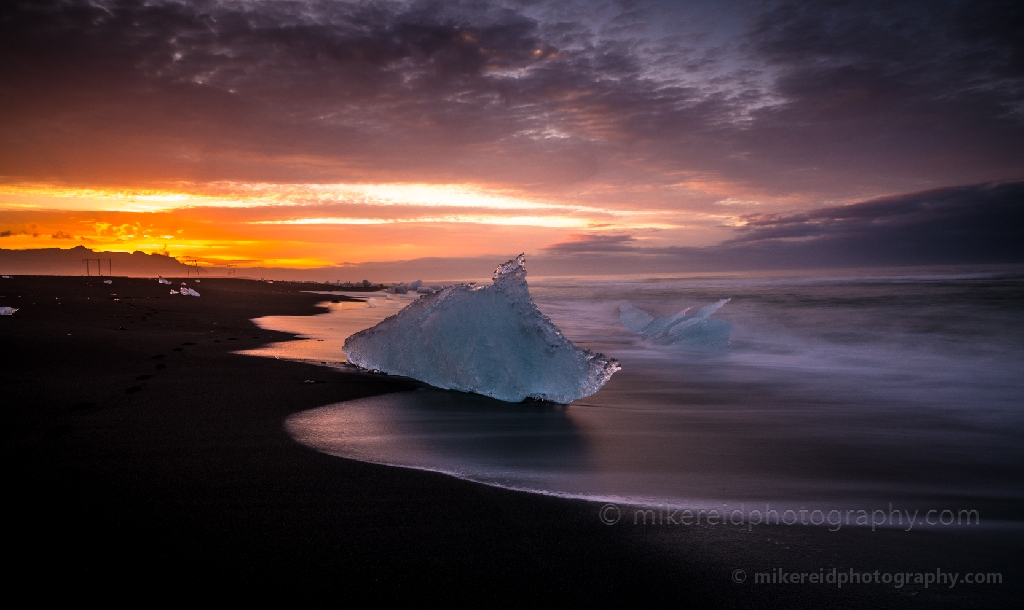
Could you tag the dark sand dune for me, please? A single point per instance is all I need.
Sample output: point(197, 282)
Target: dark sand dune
point(154, 458)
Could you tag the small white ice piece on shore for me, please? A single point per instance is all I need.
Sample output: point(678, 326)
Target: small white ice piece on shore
point(108, 281)
point(161, 279)
point(696, 331)
point(186, 291)
point(8, 311)
point(174, 292)
point(491, 340)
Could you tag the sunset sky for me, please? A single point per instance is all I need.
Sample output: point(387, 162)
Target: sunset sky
point(305, 134)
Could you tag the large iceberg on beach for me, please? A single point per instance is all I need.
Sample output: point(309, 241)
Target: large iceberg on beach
point(699, 330)
point(491, 340)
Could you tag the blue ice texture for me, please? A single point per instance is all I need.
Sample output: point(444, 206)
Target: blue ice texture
point(697, 331)
point(490, 340)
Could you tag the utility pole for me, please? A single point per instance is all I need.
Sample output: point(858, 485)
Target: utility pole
point(99, 266)
point(191, 263)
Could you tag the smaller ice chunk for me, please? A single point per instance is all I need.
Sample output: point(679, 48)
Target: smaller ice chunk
point(161, 280)
point(189, 292)
point(634, 319)
point(698, 331)
point(404, 288)
point(8, 311)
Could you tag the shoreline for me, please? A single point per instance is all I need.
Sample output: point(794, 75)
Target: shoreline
point(154, 453)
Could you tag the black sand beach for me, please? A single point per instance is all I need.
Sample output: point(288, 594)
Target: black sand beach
point(142, 451)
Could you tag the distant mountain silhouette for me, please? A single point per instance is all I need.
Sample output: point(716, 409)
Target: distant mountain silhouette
point(55, 261)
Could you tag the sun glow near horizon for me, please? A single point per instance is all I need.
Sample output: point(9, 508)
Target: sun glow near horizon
point(306, 225)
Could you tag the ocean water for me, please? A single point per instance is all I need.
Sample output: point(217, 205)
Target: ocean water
point(854, 391)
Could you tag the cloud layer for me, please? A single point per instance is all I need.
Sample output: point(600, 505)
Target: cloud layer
point(467, 126)
point(834, 99)
point(962, 225)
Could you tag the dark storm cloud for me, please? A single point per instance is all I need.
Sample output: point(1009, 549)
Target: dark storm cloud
point(971, 224)
point(893, 88)
point(825, 98)
point(986, 212)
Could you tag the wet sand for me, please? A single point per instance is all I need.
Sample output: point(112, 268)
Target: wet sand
point(154, 456)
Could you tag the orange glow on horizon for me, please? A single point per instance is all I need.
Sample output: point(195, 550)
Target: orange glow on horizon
point(312, 225)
